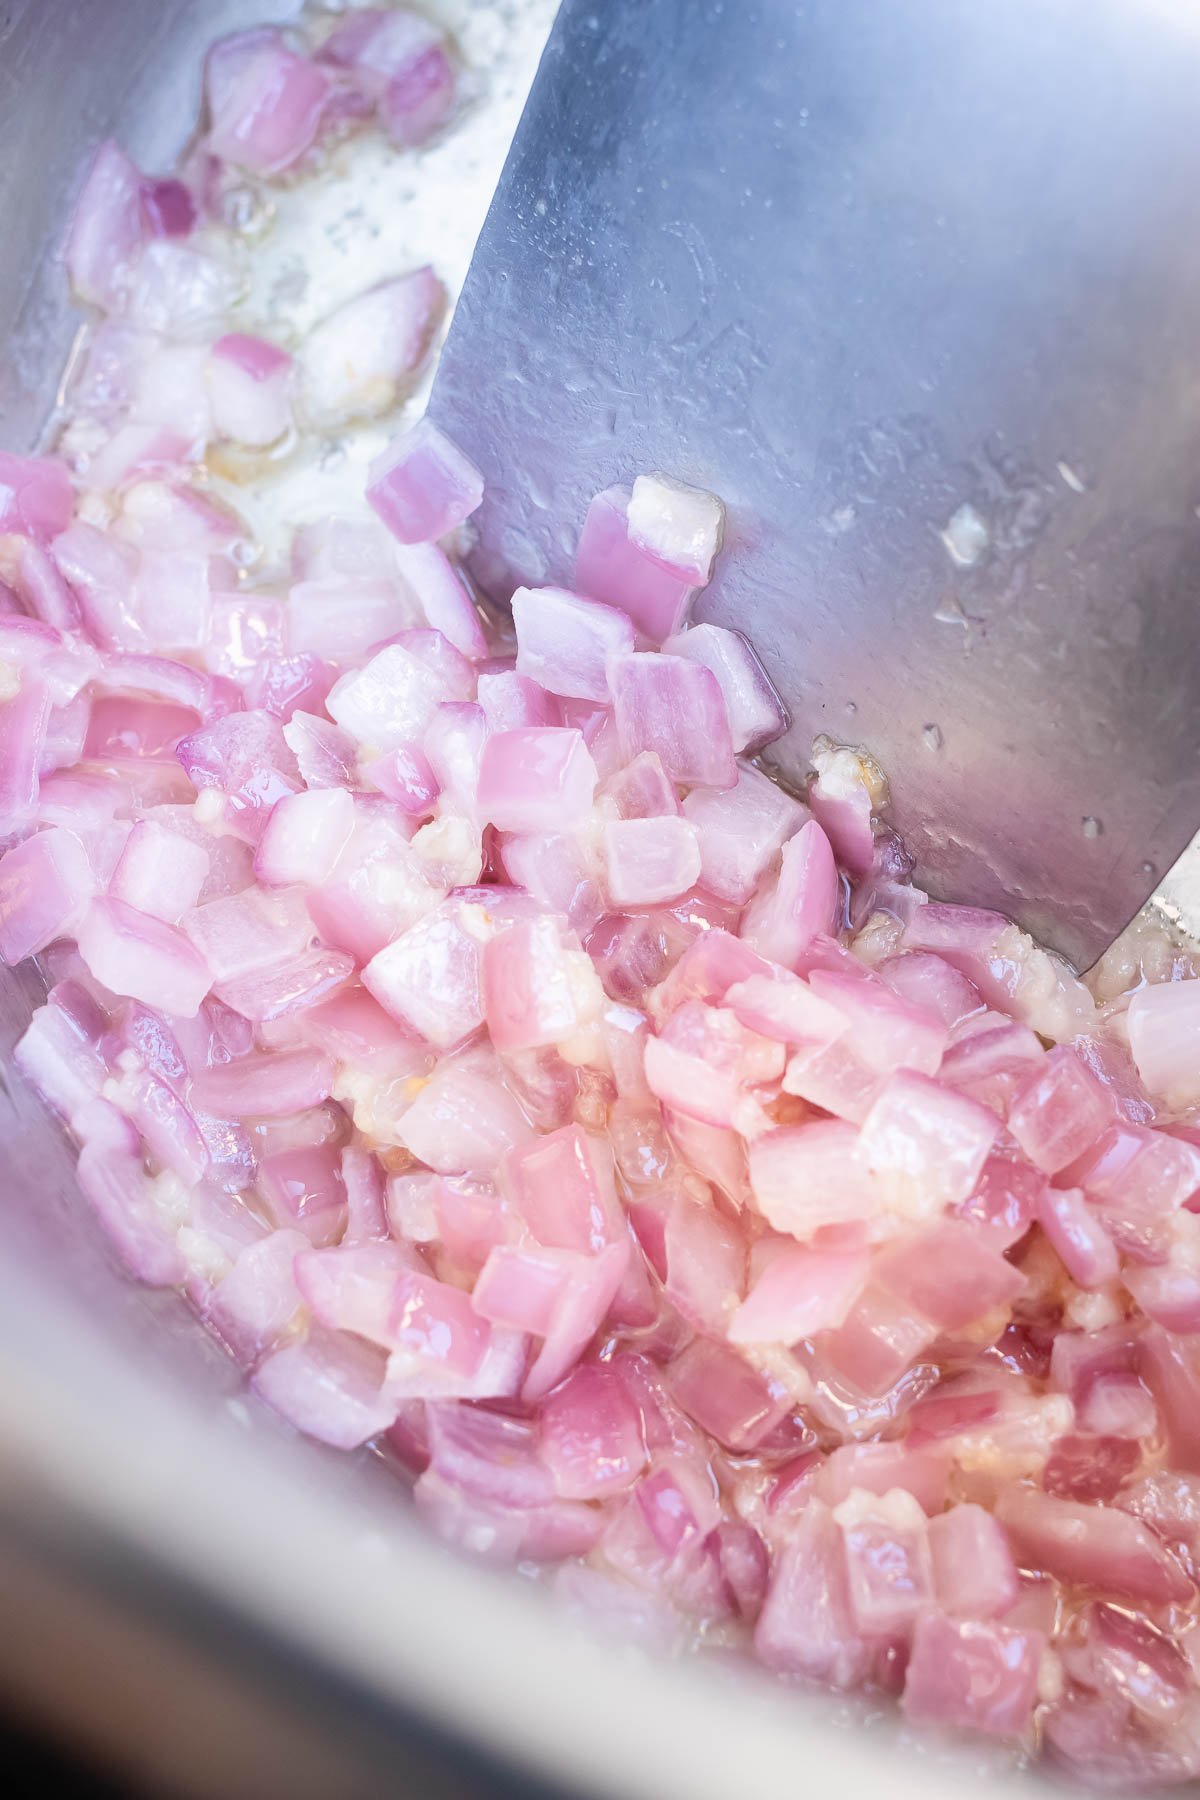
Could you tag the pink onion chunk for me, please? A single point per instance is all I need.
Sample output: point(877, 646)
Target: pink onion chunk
point(534, 780)
point(160, 872)
point(925, 1145)
point(806, 1177)
point(564, 641)
point(45, 885)
point(705, 1060)
point(266, 102)
point(248, 383)
point(675, 708)
point(256, 1302)
point(430, 976)
point(806, 1626)
point(1060, 1112)
point(35, 497)
point(422, 485)
point(329, 1386)
point(134, 953)
point(949, 1274)
point(610, 567)
point(591, 1435)
point(1093, 1546)
point(756, 713)
point(740, 831)
point(975, 1675)
point(464, 1119)
point(888, 1564)
point(528, 991)
point(799, 1293)
point(649, 861)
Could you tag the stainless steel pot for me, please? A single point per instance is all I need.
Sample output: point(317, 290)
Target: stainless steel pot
point(211, 1604)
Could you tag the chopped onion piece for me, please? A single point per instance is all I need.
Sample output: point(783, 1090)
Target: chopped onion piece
point(422, 485)
point(612, 568)
point(360, 360)
point(976, 1675)
point(756, 713)
point(649, 861)
point(564, 641)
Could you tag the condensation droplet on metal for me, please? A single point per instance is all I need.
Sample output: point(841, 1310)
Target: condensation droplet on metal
point(966, 536)
point(932, 737)
point(1092, 826)
point(852, 707)
point(1148, 868)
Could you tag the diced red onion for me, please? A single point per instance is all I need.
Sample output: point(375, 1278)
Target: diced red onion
point(248, 382)
point(976, 1675)
point(106, 228)
point(36, 500)
point(949, 1274)
point(1164, 1035)
point(129, 1205)
point(756, 714)
point(390, 700)
point(303, 1190)
point(725, 1396)
point(704, 1060)
point(610, 567)
point(265, 101)
point(801, 1292)
point(536, 779)
point(1093, 1546)
point(287, 987)
point(422, 485)
point(240, 933)
point(924, 1145)
point(265, 1086)
point(649, 861)
point(464, 1119)
point(973, 1570)
point(888, 1565)
point(1077, 1232)
point(430, 976)
point(134, 953)
point(360, 360)
point(564, 641)
point(675, 708)
point(800, 903)
point(591, 1435)
point(806, 1626)
point(443, 596)
point(529, 993)
point(45, 886)
point(304, 836)
point(1060, 1112)
point(740, 831)
point(806, 1177)
point(330, 1386)
point(159, 872)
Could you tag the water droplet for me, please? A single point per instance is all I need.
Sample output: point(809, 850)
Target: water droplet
point(1148, 868)
point(933, 738)
point(852, 707)
point(1092, 826)
point(1073, 480)
point(966, 536)
point(949, 611)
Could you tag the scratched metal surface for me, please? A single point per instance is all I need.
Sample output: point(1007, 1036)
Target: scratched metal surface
point(856, 267)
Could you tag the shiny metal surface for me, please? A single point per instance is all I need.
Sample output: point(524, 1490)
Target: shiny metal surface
point(856, 266)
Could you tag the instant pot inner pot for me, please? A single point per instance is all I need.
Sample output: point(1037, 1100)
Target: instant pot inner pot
point(188, 1588)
